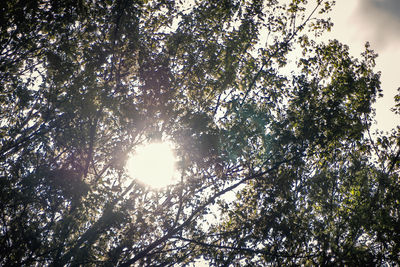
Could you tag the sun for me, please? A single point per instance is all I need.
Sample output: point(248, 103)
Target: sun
point(153, 164)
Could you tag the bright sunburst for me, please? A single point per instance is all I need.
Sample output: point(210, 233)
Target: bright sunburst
point(153, 164)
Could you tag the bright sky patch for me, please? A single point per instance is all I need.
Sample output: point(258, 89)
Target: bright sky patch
point(153, 164)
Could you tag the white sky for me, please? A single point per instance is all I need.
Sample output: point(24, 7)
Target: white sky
point(376, 21)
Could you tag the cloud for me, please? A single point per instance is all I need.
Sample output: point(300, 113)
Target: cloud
point(379, 20)
point(389, 6)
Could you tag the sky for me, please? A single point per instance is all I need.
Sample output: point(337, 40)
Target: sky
point(376, 21)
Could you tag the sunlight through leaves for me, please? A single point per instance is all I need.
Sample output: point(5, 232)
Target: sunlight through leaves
point(153, 164)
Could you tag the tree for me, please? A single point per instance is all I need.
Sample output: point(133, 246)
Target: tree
point(84, 83)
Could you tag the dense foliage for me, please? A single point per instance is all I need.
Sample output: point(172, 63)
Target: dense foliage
point(258, 108)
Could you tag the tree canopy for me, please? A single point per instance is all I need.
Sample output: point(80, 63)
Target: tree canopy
point(258, 107)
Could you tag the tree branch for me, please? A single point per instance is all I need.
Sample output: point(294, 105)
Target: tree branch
point(194, 214)
point(244, 249)
point(282, 45)
point(396, 158)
